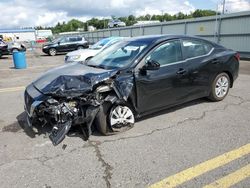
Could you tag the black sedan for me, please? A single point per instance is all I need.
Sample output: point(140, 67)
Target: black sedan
point(3, 48)
point(65, 44)
point(130, 79)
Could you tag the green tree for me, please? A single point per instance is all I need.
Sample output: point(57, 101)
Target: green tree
point(75, 24)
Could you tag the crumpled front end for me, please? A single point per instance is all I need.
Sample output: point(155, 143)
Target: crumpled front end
point(60, 113)
point(63, 106)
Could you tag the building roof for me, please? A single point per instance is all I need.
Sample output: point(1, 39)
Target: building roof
point(16, 30)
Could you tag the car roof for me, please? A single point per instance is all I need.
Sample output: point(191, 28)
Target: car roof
point(159, 38)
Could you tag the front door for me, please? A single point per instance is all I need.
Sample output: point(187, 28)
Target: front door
point(63, 45)
point(165, 86)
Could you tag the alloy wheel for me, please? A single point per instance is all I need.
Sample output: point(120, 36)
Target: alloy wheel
point(80, 47)
point(221, 86)
point(52, 52)
point(121, 118)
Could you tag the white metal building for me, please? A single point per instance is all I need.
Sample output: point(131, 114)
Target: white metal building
point(44, 33)
point(18, 34)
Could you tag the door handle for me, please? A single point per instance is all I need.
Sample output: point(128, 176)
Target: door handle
point(215, 61)
point(181, 71)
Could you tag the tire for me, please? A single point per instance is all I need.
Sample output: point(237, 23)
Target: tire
point(80, 47)
point(88, 58)
point(14, 50)
point(52, 51)
point(104, 119)
point(220, 87)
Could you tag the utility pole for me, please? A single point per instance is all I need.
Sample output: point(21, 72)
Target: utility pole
point(223, 6)
point(162, 14)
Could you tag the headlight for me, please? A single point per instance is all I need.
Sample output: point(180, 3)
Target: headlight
point(73, 57)
point(45, 46)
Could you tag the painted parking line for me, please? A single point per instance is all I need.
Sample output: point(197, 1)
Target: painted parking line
point(192, 172)
point(12, 89)
point(32, 67)
point(231, 179)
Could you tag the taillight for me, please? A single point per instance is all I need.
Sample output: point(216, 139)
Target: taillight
point(237, 55)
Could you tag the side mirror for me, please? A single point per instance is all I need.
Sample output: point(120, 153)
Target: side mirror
point(59, 43)
point(151, 65)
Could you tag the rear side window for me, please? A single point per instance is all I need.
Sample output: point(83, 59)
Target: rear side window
point(72, 39)
point(195, 48)
point(79, 38)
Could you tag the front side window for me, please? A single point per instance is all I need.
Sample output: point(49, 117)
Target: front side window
point(167, 53)
point(195, 48)
point(64, 40)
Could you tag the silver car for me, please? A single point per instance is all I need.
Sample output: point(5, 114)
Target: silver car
point(116, 23)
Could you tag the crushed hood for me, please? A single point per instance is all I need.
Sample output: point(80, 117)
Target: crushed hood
point(71, 80)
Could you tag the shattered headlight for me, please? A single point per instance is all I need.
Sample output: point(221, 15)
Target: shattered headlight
point(104, 88)
point(74, 57)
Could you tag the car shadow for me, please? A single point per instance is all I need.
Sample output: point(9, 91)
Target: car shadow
point(75, 131)
point(58, 54)
point(4, 57)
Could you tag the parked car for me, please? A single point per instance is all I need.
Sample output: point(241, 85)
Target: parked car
point(85, 54)
point(3, 48)
point(116, 23)
point(65, 44)
point(16, 46)
point(41, 40)
point(130, 79)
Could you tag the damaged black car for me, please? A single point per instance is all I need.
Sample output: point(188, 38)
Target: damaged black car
point(129, 79)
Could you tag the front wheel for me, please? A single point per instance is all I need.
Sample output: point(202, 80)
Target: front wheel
point(52, 51)
point(114, 119)
point(220, 87)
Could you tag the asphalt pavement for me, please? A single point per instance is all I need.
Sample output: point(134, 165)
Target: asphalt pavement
point(200, 143)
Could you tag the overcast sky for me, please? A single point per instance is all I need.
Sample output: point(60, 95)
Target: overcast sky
point(29, 13)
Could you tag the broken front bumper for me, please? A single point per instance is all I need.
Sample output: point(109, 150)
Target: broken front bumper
point(42, 109)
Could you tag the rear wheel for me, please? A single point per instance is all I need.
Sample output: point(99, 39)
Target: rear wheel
point(220, 87)
point(114, 119)
point(52, 51)
point(87, 59)
point(14, 50)
point(80, 47)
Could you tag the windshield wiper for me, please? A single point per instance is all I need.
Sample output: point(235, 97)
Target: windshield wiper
point(95, 66)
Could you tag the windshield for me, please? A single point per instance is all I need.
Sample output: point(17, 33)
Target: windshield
point(100, 44)
point(118, 55)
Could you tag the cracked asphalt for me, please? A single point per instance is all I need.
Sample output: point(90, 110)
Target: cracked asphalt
point(158, 146)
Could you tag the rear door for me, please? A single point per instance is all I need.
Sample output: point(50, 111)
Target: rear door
point(200, 62)
point(73, 42)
